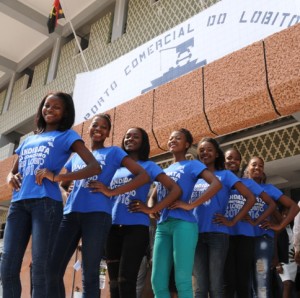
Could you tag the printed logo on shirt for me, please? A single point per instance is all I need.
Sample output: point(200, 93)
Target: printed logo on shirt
point(101, 159)
point(199, 189)
point(32, 159)
point(161, 191)
point(235, 204)
point(51, 142)
point(258, 208)
point(124, 198)
point(85, 182)
point(175, 175)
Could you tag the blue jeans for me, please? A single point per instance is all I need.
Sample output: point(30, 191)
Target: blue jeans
point(175, 243)
point(264, 249)
point(39, 218)
point(210, 257)
point(92, 228)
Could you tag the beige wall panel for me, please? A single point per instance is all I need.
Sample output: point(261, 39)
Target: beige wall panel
point(178, 104)
point(236, 95)
point(283, 64)
point(136, 113)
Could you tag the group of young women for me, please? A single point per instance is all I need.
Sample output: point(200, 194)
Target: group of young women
point(211, 223)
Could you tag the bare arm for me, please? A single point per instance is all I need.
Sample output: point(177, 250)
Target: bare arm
point(271, 208)
point(152, 201)
point(296, 237)
point(293, 210)
point(92, 167)
point(153, 197)
point(214, 186)
point(174, 192)
point(14, 178)
point(141, 177)
point(250, 200)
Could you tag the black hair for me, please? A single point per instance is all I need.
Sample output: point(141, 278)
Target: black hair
point(220, 159)
point(260, 158)
point(144, 150)
point(68, 118)
point(106, 117)
point(236, 150)
point(246, 171)
point(188, 136)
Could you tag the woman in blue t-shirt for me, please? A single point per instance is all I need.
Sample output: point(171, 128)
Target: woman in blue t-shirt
point(36, 206)
point(264, 240)
point(239, 261)
point(87, 213)
point(213, 226)
point(176, 233)
point(128, 238)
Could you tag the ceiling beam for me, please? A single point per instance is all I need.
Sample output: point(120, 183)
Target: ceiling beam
point(7, 65)
point(27, 16)
point(36, 54)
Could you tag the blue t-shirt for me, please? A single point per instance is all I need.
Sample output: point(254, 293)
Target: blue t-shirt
point(205, 213)
point(120, 213)
point(45, 150)
point(235, 204)
point(81, 199)
point(185, 173)
point(275, 194)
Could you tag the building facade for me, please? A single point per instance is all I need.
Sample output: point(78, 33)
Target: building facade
point(249, 99)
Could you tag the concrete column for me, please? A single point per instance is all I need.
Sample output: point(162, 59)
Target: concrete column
point(120, 18)
point(9, 92)
point(54, 60)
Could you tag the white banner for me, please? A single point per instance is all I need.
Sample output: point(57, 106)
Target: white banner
point(221, 29)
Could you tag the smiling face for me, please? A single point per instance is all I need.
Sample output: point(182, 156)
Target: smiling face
point(53, 111)
point(232, 160)
point(207, 153)
point(99, 129)
point(177, 142)
point(133, 140)
point(255, 169)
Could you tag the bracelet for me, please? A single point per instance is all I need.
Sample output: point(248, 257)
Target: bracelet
point(53, 178)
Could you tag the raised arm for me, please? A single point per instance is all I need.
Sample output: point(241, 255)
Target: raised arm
point(271, 208)
point(141, 177)
point(92, 167)
point(293, 210)
point(174, 192)
point(250, 200)
point(214, 186)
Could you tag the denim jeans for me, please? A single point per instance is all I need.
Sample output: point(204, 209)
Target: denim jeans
point(263, 254)
point(239, 266)
point(210, 256)
point(126, 247)
point(39, 218)
point(92, 228)
point(175, 243)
